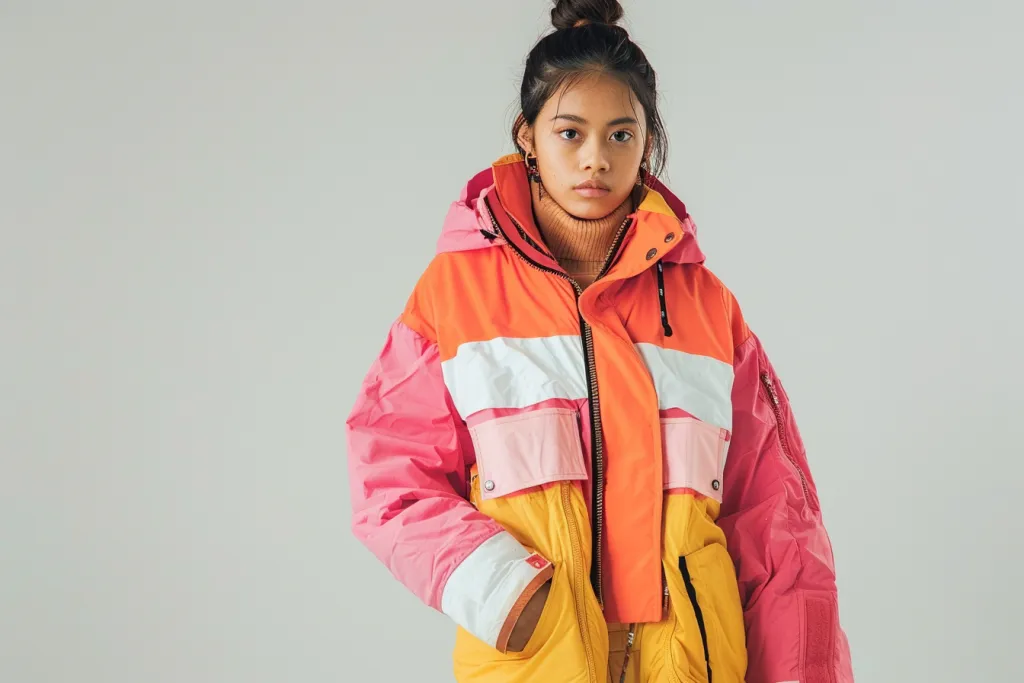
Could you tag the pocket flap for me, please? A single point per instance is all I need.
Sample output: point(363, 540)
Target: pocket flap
point(517, 452)
point(694, 455)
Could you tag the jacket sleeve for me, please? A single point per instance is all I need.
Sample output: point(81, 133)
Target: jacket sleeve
point(405, 465)
point(775, 535)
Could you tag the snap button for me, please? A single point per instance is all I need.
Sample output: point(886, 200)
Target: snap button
point(489, 485)
point(669, 237)
point(716, 485)
point(651, 254)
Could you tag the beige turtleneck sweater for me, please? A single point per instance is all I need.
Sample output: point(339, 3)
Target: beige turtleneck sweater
point(581, 246)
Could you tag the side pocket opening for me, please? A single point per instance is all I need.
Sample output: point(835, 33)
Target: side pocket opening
point(710, 634)
point(697, 611)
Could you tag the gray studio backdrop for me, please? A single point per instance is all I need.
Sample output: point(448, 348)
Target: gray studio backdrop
point(212, 211)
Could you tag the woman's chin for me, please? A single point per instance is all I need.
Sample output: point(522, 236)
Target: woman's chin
point(590, 209)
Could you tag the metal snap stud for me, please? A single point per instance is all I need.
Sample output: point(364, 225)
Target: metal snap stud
point(489, 485)
point(651, 254)
point(669, 237)
point(716, 484)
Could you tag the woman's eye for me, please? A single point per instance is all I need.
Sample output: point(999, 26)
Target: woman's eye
point(622, 136)
point(569, 134)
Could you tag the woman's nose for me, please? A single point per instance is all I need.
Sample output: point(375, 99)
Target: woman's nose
point(594, 157)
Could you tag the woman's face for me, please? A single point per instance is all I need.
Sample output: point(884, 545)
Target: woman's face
point(593, 131)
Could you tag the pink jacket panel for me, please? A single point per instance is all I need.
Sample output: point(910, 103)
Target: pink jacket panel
point(408, 482)
point(772, 519)
point(406, 469)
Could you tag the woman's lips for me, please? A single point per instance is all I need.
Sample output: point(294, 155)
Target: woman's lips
point(592, 192)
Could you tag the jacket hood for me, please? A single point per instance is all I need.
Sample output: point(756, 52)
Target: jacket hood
point(468, 224)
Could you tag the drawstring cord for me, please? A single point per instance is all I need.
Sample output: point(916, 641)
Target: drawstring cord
point(661, 300)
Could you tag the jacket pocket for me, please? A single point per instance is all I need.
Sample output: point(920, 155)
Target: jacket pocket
point(693, 455)
point(518, 452)
point(708, 642)
point(542, 630)
point(553, 652)
point(527, 477)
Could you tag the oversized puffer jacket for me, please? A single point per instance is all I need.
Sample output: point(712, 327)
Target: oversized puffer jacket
point(630, 442)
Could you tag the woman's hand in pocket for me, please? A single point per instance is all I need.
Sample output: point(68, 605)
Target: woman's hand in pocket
point(527, 622)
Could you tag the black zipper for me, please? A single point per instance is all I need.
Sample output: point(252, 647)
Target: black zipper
point(596, 443)
point(773, 398)
point(692, 593)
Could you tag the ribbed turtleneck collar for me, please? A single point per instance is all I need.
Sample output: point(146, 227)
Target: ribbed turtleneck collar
point(580, 246)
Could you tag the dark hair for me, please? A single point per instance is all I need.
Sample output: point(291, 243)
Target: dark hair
point(597, 44)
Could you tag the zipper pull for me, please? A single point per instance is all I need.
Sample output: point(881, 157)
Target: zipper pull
point(664, 599)
point(770, 386)
point(629, 649)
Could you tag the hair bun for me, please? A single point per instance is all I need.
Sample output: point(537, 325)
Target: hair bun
point(567, 13)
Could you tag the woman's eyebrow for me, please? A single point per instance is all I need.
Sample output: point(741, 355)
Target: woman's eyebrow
point(582, 121)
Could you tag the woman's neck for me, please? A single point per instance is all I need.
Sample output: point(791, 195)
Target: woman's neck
point(581, 246)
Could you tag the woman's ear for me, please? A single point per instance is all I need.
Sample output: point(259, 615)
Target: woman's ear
point(525, 139)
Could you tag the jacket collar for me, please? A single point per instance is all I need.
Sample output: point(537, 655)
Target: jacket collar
point(661, 228)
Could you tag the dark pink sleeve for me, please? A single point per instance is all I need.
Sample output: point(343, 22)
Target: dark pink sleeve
point(405, 471)
point(772, 519)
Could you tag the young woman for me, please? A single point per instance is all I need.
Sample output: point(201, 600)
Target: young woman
point(572, 444)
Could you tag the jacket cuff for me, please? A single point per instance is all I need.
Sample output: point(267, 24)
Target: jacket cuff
point(487, 592)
